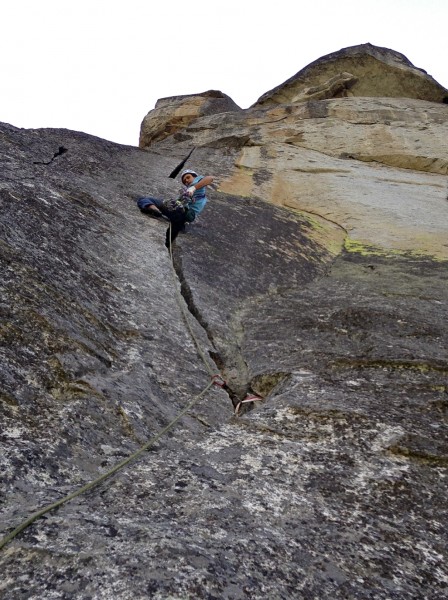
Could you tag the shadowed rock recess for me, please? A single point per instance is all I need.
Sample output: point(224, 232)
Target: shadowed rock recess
point(316, 278)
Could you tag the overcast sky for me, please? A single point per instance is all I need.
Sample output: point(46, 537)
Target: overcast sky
point(99, 66)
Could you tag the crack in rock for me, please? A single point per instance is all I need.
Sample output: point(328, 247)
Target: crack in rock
point(187, 295)
point(237, 391)
point(60, 151)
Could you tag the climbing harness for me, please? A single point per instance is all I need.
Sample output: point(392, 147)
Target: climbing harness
point(219, 381)
point(180, 203)
point(249, 398)
point(214, 380)
point(175, 204)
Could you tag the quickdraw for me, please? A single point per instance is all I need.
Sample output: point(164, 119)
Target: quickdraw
point(179, 203)
point(218, 380)
point(248, 398)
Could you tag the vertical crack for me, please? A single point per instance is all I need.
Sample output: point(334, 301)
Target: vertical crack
point(220, 362)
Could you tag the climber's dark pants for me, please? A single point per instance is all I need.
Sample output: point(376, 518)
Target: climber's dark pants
point(177, 216)
point(178, 219)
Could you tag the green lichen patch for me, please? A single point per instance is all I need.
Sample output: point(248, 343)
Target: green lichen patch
point(352, 246)
point(420, 448)
point(265, 384)
point(390, 365)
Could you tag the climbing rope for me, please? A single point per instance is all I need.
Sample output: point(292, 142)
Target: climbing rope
point(215, 380)
point(106, 475)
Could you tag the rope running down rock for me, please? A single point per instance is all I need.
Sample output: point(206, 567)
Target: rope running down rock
point(215, 380)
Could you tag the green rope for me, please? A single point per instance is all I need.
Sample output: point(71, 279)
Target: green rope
point(136, 454)
point(106, 475)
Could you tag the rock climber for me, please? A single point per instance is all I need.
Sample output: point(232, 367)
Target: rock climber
point(185, 209)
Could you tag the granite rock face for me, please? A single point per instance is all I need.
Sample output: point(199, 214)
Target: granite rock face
point(316, 278)
point(364, 70)
point(172, 115)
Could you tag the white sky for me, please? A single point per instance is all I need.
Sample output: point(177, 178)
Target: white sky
point(99, 66)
